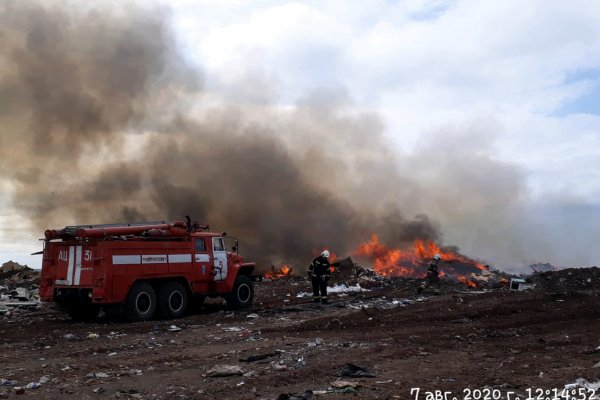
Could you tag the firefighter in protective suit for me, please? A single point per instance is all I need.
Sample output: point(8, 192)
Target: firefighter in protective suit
point(432, 278)
point(319, 273)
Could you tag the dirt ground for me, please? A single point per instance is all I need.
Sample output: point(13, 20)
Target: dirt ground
point(510, 341)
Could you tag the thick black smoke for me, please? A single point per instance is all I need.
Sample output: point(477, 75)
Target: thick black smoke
point(75, 81)
point(103, 122)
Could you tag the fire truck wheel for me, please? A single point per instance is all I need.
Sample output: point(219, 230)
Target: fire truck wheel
point(141, 302)
point(242, 293)
point(172, 300)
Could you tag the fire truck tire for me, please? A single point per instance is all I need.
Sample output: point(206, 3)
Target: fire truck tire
point(141, 302)
point(172, 300)
point(242, 294)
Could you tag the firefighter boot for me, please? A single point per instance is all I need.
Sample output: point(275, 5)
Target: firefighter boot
point(316, 299)
point(324, 300)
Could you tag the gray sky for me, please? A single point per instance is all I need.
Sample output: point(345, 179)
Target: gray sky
point(516, 81)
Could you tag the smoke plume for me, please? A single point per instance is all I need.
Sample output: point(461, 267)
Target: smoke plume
point(104, 122)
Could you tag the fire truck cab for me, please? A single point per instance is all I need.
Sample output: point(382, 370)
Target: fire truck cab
point(142, 270)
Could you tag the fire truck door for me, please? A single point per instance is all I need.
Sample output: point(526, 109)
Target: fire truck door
point(202, 270)
point(220, 259)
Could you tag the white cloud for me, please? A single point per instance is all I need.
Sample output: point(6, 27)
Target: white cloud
point(424, 66)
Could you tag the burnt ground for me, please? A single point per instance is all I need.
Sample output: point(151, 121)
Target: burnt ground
point(510, 341)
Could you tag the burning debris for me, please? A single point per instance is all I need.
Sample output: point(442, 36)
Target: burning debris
point(393, 265)
point(411, 261)
point(488, 278)
point(278, 273)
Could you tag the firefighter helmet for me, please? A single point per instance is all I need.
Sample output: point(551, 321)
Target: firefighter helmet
point(325, 253)
point(436, 257)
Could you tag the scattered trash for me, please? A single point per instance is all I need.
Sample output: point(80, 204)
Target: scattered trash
point(343, 384)
point(224, 370)
point(33, 385)
point(346, 289)
point(519, 285)
point(97, 375)
point(356, 371)
point(297, 350)
point(280, 367)
point(583, 383)
point(21, 294)
point(338, 289)
point(233, 329)
point(300, 363)
point(402, 302)
point(19, 291)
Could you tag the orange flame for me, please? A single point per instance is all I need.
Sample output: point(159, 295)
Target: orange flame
point(332, 259)
point(467, 281)
point(412, 261)
point(283, 271)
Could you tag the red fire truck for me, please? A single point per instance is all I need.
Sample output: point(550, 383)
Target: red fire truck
point(143, 270)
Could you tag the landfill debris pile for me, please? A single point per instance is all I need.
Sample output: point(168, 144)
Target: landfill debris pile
point(19, 289)
point(15, 274)
point(374, 342)
point(567, 280)
point(543, 267)
point(376, 338)
point(489, 278)
point(349, 273)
